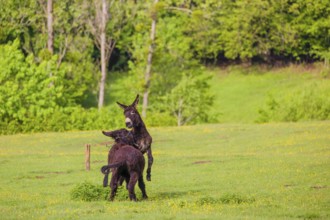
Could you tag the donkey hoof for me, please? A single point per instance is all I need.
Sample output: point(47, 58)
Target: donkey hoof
point(148, 178)
point(133, 199)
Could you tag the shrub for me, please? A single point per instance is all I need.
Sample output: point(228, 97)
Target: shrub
point(89, 192)
point(309, 103)
point(157, 119)
point(65, 119)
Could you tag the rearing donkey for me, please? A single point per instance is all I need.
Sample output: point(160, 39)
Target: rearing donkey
point(138, 136)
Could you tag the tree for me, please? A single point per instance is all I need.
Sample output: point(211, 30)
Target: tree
point(190, 99)
point(25, 90)
point(105, 53)
point(106, 20)
point(105, 43)
point(149, 61)
point(50, 34)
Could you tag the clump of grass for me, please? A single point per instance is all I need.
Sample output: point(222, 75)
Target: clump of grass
point(225, 199)
point(309, 216)
point(235, 199)
point(88, 192)
point(207, 201)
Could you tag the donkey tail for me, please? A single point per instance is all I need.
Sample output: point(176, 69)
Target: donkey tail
point(105, 180)
point(106, 169)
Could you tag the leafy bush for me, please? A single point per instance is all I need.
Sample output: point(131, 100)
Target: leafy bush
point(180, 87)
point(89, 192)
point(157, 119)
point(41, 96)
point(310, 103)
point(190, 100)
point(65, 119)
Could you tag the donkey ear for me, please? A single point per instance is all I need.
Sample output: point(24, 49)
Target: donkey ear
point(122, 106)
point(136, 101)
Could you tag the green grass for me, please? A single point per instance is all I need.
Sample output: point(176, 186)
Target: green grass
point(229, 171)
point(241, 92)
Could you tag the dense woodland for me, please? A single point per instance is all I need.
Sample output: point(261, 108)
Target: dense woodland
point(59, 60)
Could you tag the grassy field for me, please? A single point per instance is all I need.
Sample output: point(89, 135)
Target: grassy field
point(229, 171)
point(241, 92)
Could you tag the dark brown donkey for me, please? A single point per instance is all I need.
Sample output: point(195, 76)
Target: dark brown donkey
point(126, 162)
point(138, 136)
point(120, 136)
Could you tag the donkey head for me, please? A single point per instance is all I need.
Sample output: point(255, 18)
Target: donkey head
point(132, 116)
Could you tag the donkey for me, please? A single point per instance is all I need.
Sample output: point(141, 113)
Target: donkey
point(128, 162)
point(121, 136)
point(138, 136)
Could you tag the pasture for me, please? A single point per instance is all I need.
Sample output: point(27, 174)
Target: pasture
point(224, 171)
point(250, 88)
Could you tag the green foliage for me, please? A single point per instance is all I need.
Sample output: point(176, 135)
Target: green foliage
point(190, 100)
point(310, 103)
point(41, 91)
point(88, 192)
point(240, 92)
point(158, 118)
point(28, 88)
point(64, 119)
point(260, 29)
point(38, 96)
point(179, 86)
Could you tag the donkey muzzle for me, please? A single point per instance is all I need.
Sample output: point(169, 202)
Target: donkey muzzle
point(129, 123)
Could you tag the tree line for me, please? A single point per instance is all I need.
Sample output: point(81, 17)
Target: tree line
point(55, 56)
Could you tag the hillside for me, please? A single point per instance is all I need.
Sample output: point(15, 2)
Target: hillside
point(241, 92)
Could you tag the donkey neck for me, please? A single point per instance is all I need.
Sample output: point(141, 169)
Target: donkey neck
point(140, 129)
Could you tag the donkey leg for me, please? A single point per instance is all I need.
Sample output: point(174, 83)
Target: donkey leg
point(121, 180)
point(113, 185)
point(142, 187)
point(132, 181)
point(127, 181)
point(150, 161)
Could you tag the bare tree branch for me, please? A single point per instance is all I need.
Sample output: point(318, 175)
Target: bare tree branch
point(42, 4)
point(63, 50)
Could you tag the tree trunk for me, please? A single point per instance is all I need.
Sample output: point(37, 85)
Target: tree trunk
point(50, 41)
point(103, 54)
point(180, 113)
point(149, 64)
point(50, 34)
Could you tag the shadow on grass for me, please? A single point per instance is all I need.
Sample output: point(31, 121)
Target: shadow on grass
point(173, 194)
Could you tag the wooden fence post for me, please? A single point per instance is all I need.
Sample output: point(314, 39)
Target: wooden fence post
point(87, 156)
